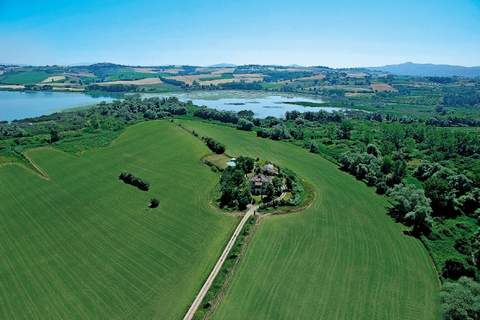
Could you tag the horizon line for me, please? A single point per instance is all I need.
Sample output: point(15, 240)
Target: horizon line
point(233, 65)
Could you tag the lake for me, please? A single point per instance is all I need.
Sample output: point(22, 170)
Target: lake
point(263, 104)
point(19, 104)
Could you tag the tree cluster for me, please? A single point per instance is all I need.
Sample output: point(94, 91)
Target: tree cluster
point(214, 145)
point(234, 188)
point(104, 116)
point(411, 207)
point(129, 178)
point(212, 114)
point(461, 300)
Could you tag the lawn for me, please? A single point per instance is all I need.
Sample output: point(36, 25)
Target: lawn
point(84, 245)
point(218, 160)
point(342, 258)
point(24, 77)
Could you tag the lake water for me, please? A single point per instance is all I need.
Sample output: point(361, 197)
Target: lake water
point(263, 104)
point(20, 105)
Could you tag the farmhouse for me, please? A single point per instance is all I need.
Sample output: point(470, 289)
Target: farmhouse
point(270, 169)
point(259, 183)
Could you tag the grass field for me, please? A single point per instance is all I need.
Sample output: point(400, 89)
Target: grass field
point(24, 77)
point(342, 258)
point(127, 74)
point(83, 245)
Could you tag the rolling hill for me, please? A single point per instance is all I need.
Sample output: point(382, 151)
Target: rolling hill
point(341, 258)
point(437, 70)
point(84, 245)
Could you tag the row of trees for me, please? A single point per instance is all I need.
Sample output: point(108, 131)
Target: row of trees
point(380, 171)
point(212, 114)
point(214, 145)
point(107, 116)
point(129, 178)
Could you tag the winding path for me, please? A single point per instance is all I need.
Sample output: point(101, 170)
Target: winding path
point(199, 298)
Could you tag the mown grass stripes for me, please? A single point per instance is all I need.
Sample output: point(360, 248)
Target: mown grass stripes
point(83, 245)
point(342, 258)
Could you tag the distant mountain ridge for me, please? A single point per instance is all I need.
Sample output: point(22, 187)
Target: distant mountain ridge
point(428, 69)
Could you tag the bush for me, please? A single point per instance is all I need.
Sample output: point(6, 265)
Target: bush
point(154, 203)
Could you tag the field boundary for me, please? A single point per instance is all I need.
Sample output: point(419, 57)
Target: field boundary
point(218, 265)
point(307, 203)
point(218, 298)
point(28, 164)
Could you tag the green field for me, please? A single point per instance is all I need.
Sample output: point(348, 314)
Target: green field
point(342, 258)
point(130, 75)
point(83, 245)
point(24, 77)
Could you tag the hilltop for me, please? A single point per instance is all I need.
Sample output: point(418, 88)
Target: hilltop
point(428, 69)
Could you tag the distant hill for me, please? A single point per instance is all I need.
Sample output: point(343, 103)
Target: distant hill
point(223, 65)
point(295, 66)
point(436, 70)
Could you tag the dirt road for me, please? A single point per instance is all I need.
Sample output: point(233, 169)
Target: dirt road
point(199, 298)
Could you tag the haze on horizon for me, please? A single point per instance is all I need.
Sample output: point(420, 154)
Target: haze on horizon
point(346, 33)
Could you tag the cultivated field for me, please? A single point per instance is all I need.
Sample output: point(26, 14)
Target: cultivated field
point(53, 79)
point(83, 245)
point(140, 82)
point(23, 77)
point(342, 258)
point(381, 87)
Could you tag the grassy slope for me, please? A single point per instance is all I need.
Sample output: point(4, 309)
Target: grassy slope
point(84, 245)
point(24, 77)
point(343, 258)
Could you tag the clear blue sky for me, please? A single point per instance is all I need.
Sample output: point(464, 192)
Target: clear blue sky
point(203, 32)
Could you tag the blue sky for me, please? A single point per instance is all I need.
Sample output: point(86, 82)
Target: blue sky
point(202, 32)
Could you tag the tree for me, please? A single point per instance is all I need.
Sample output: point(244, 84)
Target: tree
point(373, 150)
point(475, 245)
point(214, 145)
point(269, 191)
point(399, 170)
point(461, 300)
point(234, 188)
point(55, 134)
point(154, 203)
point(410, 206)
point(244, 198)
point(277, 185)
point(440, 188)
point(454, 269)
point(313, 147)
point(387, 164)
point(345, 130)
point(425, 170)
point(245, 163)
point(470, 202)
point(244, 124)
